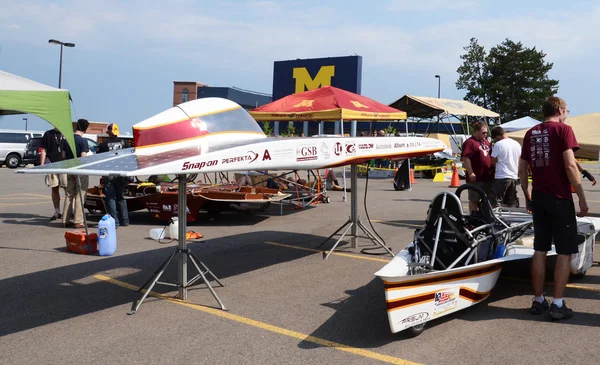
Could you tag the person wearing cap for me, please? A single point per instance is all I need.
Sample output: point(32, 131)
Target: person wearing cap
point(114, 186)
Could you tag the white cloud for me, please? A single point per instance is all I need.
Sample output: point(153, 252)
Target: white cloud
point(431, 5)
point(252, 34)
point(12, 27)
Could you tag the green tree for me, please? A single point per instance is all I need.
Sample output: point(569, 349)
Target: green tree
point(267, 128)
point(512, 80)
point(473, 74)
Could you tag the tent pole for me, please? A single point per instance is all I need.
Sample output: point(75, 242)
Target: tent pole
point(276, 129)
point(345, 199)
point(354, 191)
point(409, 182)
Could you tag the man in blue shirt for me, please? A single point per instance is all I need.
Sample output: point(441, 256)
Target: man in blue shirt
point(77, 185)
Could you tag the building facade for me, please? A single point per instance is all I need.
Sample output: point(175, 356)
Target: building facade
point(184, 91)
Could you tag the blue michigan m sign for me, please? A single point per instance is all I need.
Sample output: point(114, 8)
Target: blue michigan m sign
point(292, 77)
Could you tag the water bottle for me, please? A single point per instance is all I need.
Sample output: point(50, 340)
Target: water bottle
point(107, 236)
point(499, 251)
point(174, 229)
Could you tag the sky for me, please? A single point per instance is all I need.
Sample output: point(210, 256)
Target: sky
point(128, 53)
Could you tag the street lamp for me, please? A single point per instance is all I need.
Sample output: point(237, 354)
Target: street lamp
point(25, 119)
point(54, 41)
point(439, 81)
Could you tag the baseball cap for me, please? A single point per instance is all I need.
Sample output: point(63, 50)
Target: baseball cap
point(114, 128)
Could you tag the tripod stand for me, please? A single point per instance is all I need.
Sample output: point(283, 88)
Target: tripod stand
point(354, 220)
point(184, 254)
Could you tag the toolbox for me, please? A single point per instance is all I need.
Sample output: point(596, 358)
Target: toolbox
point(76, 242)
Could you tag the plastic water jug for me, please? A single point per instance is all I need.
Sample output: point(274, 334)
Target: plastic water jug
point(107, 236)
point(157, 234)
point(174, 229)
point(499, 251)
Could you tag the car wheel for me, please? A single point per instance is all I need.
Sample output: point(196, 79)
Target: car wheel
point(13, 161)
point(414, 331)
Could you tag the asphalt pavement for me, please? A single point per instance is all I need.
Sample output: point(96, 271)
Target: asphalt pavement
point(286, 305)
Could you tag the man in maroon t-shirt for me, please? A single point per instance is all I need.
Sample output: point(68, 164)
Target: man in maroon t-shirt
point(477, 160)
point(548, 150)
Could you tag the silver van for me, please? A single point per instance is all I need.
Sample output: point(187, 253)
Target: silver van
point(13, 144)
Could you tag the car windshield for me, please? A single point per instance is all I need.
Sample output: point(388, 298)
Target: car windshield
point(35, 142)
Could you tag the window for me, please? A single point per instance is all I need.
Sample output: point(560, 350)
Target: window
point(13, 138)
point(185, 96)
point(92, 145)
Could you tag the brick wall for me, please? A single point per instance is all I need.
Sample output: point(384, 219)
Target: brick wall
point(192, 89)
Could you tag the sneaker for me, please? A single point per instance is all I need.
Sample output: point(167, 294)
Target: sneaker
point(563, 312)
point(55, 217)
point(539, 308)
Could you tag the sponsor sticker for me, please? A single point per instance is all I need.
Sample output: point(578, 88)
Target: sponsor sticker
point(307, 153)
point(350, 149)
point(338, 149)
point(414, 319)
point(399, 145)
point(277, 153)
point(325, 151)
point(198, 165)
point(249, 157)
point(445, 301)
point(383, 146)
point(365, 146)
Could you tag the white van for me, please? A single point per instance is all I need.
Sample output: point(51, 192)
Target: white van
point(13, 144)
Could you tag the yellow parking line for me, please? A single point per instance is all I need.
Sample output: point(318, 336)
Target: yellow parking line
point(266, 326)
point(15, 205)
point(39, 195)
point(326, 252)
point(47, 196)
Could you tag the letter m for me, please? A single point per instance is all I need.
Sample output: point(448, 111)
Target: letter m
point(304, 82)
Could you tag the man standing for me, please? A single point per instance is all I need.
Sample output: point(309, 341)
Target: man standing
point(52, 142)
point(77, 185)
point(505, 156)
point(478, 163)
point(114, 186)
point(548, 150)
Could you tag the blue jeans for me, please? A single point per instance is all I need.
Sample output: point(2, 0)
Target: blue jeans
point(113, 190)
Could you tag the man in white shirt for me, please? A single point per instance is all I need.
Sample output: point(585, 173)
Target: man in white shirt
point(505, 156)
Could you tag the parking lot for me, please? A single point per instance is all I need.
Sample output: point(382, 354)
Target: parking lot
point(286, 305)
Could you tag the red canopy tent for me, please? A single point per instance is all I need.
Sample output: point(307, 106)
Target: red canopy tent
point(326, 103)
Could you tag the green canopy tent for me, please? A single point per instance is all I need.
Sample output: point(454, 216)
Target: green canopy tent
point(19, 95)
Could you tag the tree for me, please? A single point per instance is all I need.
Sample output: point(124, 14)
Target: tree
point(267, 128)
point(512, 80)
point(473, 74)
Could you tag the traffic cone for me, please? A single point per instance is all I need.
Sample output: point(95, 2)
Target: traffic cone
point(412, 177)
point(455, 179)
point(572, 189)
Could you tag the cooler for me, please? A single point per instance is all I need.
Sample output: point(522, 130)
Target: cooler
point(77, 242)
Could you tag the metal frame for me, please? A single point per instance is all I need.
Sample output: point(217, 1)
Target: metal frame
point(353, 221)
point(499, 217)
point(184, 253)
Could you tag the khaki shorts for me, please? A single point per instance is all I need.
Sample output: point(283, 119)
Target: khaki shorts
point(54, 180)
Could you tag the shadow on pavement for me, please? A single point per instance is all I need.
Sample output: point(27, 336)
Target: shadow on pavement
point(53, 295)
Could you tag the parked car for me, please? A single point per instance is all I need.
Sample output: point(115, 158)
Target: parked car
point(13, 144)
point(34, 150)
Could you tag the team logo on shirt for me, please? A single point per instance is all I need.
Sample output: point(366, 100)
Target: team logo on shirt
point(485, 149)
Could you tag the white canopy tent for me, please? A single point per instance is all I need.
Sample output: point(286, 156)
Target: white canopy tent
point(519, 124)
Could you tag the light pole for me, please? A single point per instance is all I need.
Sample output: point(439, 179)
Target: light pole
point(25, 119)
point(439, 81)
point(54, 41)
